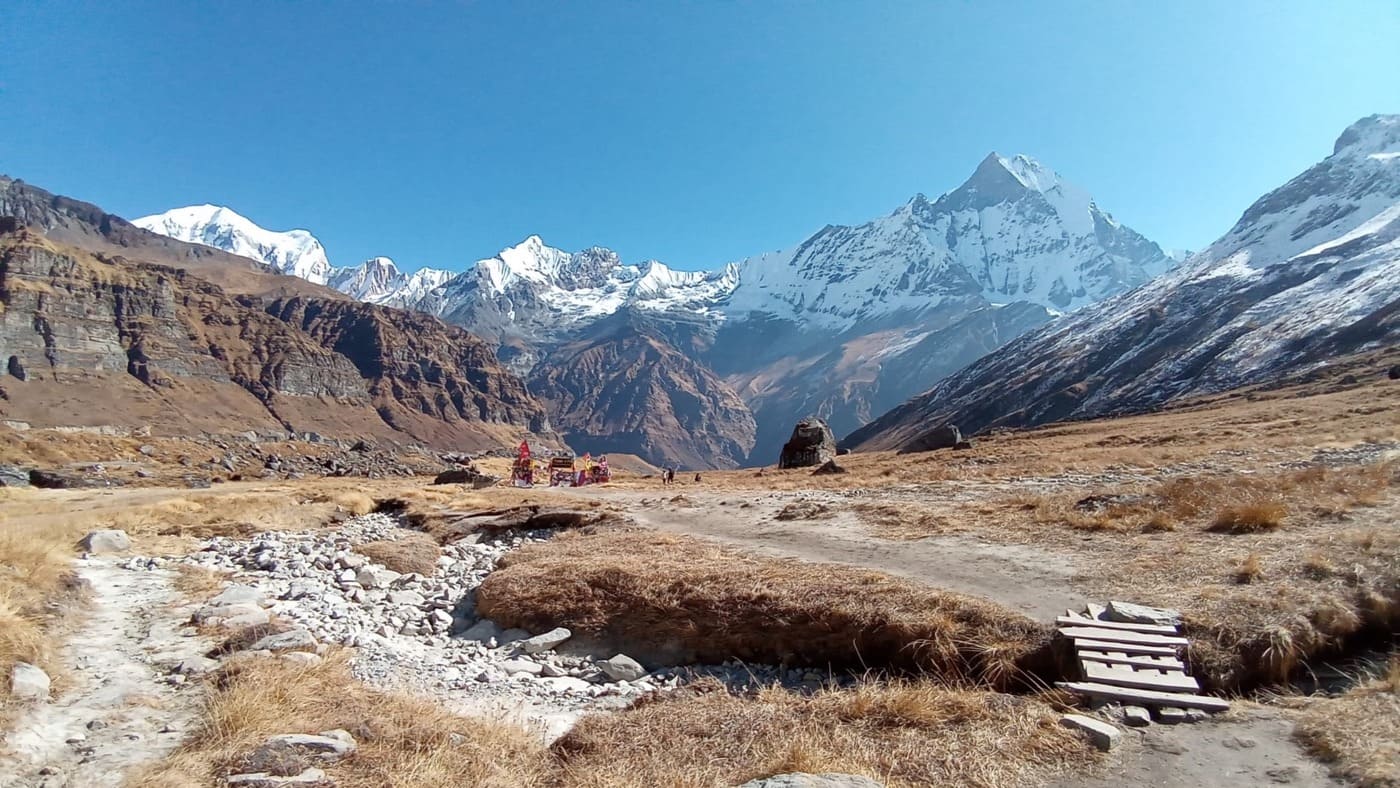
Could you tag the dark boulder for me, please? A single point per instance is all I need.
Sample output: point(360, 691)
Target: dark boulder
point(962, 445)
point(828, 468)
point(16, 369)
point(54, 480)
point(811, 444)
point(471, 476)
point(1395, 372)
point(946, 436)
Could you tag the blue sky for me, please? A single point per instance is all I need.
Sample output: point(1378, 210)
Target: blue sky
point(694, 133)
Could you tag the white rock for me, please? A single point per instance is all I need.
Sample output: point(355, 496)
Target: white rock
point(376, 577)
point(327, 744)
point(265, 780)
point(29, 682)
point(105, 541)
point(516, 667)
point(282, 641)
point(483, 631)
point(411, 598)
point(1104, 735)
point(304, 658)
point(566, 684)
point(194, 666)
point(545, 641)
point(1136, 716)
point(1129, 613)
point(622, 668)
point(239, 595)
point(513, 635)
point(247, 619)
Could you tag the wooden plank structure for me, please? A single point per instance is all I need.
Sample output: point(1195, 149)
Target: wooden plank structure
point(1132, 663)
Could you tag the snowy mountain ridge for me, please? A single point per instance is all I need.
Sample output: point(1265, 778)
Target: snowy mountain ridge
point(293, 252)
point(1015, 231)
point(1309, 273)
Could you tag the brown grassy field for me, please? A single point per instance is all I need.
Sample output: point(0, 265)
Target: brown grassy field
point(680, 599)
point(903, 734)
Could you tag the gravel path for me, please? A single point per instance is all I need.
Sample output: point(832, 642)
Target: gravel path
point(123, 706)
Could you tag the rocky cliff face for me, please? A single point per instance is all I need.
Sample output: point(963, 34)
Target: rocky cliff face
point(625, 388)
point(1310, 272)
point(103, 339)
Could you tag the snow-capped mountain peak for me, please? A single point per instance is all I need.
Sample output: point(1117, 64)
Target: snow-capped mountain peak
point(294, 252)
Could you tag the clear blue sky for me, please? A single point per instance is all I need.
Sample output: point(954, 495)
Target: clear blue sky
point(693, 133)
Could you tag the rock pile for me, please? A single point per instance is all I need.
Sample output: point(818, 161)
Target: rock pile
point(412, 631)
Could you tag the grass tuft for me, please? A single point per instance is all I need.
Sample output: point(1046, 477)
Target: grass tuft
point(1249, 518)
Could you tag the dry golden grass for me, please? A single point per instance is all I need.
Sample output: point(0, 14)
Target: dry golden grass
point(679, 598)
point(351, 502)
point(1249, 570)
point(37, 585)
point(403, 741)
point(902, 521)
point(412, 552)
point(903, 734)
point(803, 510)
point(197, 583)
point(1358, 733)
point(1249, 518)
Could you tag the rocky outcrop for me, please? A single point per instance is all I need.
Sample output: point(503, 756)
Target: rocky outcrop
point(108, 339)
point(811, 444)
point(946, 436)
point(626, 389)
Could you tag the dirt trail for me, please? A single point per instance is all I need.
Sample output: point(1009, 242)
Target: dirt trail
point(1034, 581)
point(118, 710)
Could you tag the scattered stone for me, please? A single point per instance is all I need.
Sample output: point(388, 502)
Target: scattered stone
point(411, 598)
point(328, 745)
point(803, 780)
point(1196, 715)
point(195, 666)
point(105, 541)
point(1171, 715)
point(54, 480)
point(1285, 774)
point(1104, 735)
point(622, 668)
point(1238, 743)
point(239, 595)
point(483, 630)
point(96, 725)
point(1394, 373)
point(285, 641)
point(265, 780)
point(376, 577)
point(304, 658)
point(470, 475)
point(962, 445)
point(943, 437)
point(13, 476)
point(1136, 717)
point(514, 667)
point(28, 682)
point(546, 641)
point(1129, 613)
point(828, 468)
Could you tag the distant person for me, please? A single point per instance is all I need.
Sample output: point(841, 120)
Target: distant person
point(697, 478)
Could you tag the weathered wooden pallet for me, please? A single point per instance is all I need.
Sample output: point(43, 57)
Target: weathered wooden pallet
point(1145, 697)
point(1129, 676)
point(1151, 629)
point(1127, 648)
point(1121, 636)
point(1136, 660)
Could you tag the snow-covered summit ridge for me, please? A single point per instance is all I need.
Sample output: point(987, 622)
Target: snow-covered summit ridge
point(293, 252)
point(1014, 231)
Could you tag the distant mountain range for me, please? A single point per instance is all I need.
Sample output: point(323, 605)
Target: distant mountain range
point(712, 368)
point(1309, 273)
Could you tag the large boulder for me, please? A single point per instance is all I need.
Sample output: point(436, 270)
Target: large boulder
point(29, 682)
point(54, 480)
point(105, 541)
point(946, 436)
point(811, 444)
point(471, 476)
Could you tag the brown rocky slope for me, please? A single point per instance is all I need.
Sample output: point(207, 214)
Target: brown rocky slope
point(92, 338)
point(625, 388)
